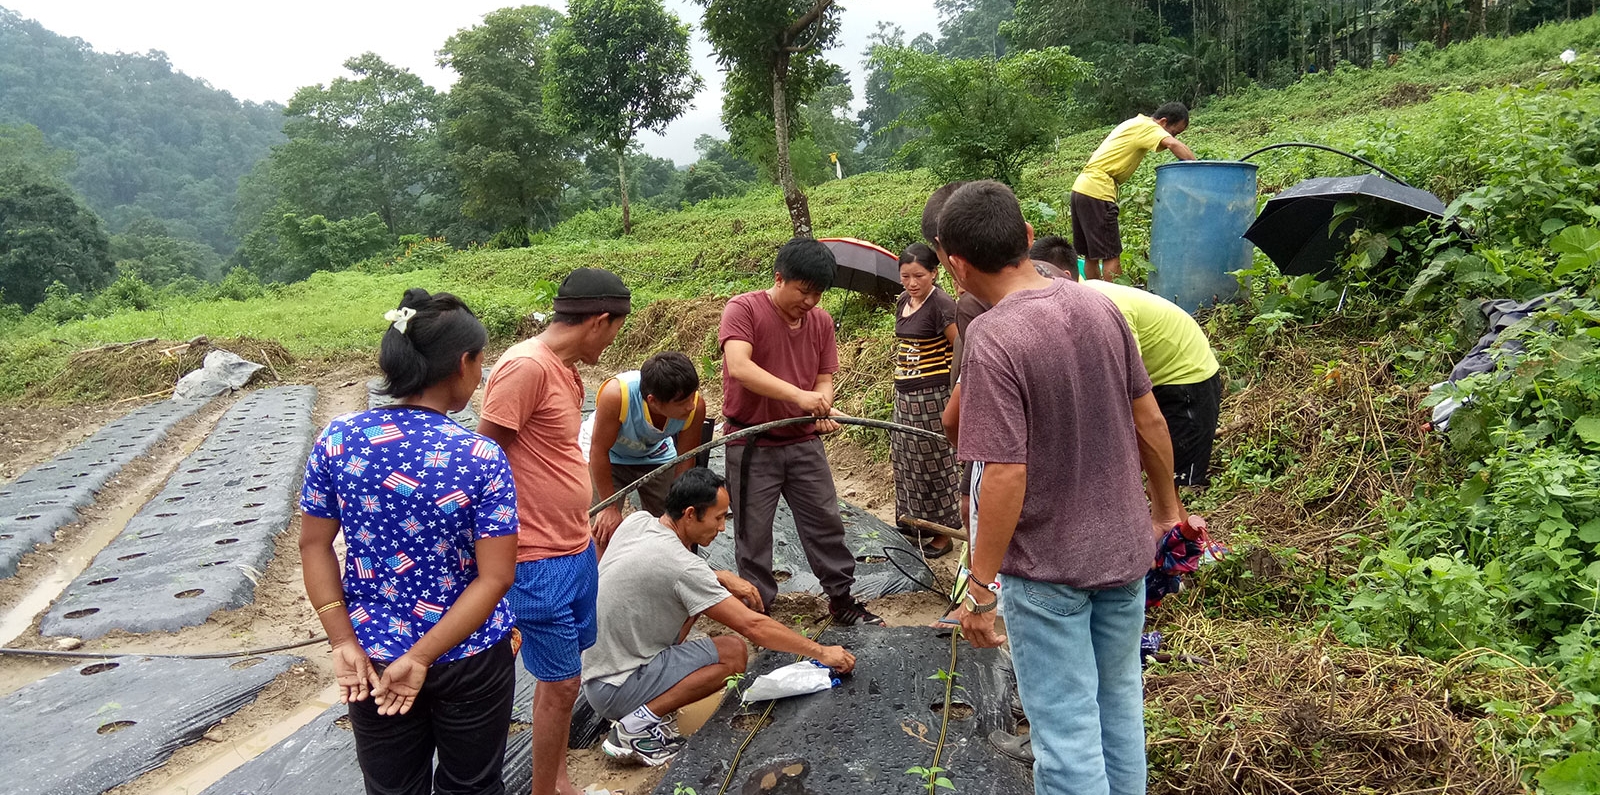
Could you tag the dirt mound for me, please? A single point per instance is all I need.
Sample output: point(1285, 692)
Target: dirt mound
point(149, 368)
point(1273, 714)
point(1402, 94)
point(670, 324)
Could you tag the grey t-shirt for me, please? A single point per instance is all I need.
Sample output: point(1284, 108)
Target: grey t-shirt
point(1049, 381)
point(650, 584)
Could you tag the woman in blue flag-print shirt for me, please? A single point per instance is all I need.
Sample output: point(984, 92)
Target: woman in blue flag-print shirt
point(418, 621)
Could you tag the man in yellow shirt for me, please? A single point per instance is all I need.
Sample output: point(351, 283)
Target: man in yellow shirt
point(1095, 233)
point(1178, 357)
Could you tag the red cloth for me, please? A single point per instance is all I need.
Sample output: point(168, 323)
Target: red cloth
point(796, 355)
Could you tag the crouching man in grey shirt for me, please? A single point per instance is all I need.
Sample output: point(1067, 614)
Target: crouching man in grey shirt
point(652, 588)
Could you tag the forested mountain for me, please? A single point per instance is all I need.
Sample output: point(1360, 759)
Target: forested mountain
point(148, 142)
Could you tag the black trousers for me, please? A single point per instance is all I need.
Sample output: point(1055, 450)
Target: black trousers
point(463, 713)
point(1191, 411)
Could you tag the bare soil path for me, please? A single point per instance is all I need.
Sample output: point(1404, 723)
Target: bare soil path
point(280, 613)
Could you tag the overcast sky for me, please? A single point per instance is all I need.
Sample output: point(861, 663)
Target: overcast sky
point(265, 50)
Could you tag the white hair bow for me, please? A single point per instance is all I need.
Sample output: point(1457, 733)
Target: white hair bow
point(400, 317)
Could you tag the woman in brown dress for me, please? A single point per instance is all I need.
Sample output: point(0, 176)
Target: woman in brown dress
point(925, 471)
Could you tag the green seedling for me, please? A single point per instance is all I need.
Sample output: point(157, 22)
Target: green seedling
point(933, 777)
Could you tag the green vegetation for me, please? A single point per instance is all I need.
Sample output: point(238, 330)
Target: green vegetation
point(622, 66)
point(985, 118)
point(1432, 580)
point(772, 53)
point(144, 141)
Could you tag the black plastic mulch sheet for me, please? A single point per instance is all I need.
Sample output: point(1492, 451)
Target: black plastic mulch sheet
point(198, 546)
point(865, 534)
point(320, 758)
point(44, 499)
point(87, 729)
point(861, 737)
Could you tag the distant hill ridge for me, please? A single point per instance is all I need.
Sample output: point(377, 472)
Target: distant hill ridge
point(148, 140)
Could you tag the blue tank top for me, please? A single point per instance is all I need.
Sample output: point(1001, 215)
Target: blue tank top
point(638, 441)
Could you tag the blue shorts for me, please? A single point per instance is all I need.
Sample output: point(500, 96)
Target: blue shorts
point(554, 600)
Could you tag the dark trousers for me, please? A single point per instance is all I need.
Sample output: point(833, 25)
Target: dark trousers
point(652, 496)
point(463, 713)
point(1191, 411)
point(800, 474)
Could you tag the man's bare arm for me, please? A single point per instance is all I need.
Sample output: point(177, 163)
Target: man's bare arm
point(737, 357)
point(1178, 148)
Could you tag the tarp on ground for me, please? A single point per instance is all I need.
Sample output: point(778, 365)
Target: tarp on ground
point(320, 758)
point(47, 497)
point(87, 729)
point(861, 736)
point(199, 545)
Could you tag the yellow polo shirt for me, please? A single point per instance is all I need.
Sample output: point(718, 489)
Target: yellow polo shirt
point(1174, 348)
point(1118, 157)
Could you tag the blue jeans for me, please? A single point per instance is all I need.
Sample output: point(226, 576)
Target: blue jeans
point(1076, 655)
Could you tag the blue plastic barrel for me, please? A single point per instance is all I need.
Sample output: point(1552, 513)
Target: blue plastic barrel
point(1202, 210)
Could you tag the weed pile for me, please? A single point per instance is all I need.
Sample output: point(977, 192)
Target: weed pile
point(1312, 437)
point(1248, 709)
point(671, 324)
point(149, 368)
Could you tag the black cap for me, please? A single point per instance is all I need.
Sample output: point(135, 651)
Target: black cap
point(591, 291)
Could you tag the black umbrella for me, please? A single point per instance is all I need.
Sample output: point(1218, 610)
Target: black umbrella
point(864, 267)
point(1293, 228)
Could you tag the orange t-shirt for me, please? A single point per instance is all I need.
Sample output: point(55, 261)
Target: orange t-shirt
point(532, 391)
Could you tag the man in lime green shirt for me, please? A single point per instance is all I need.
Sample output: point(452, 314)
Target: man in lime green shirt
point(1176, 353)
point(1095, 232)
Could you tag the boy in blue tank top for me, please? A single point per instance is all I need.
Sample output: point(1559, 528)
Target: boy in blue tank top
point(643, 418)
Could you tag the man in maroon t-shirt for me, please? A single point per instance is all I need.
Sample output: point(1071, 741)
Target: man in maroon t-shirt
point(779, 357)
point(1056, 404)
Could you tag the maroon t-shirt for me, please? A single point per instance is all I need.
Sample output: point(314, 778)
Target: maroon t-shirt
point(796, 355)
point(1048, 381)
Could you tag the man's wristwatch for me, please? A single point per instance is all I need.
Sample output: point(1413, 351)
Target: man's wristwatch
point(977, 607)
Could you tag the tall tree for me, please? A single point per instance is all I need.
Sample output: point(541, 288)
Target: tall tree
point(618, 67)
point(772, 53)
point(883, 134)
point(971, 28)
point(361, 145)
point(510, 157)
point(720, 151)
point(47, 236)
point(986, 118)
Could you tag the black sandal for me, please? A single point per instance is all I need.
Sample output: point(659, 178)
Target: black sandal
point(931, 552)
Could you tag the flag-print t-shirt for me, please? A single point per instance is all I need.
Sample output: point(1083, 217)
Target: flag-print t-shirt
point(413, 492)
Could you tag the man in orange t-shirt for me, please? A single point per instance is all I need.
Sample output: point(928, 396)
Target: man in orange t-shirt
point(533, 407)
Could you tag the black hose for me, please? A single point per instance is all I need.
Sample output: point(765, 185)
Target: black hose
point(752, 431)
point(104, 655)
point(917, 556)
point(1357, 158)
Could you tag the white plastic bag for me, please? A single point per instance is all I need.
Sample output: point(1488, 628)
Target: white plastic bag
point(220, 372)
point(795, 679)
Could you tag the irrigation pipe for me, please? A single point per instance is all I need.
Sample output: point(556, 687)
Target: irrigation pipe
point(733, 766)
point(752, 431)
point(102, 655)
point(1359, 159)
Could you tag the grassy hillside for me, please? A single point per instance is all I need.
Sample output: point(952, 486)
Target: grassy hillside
point(1403, 611)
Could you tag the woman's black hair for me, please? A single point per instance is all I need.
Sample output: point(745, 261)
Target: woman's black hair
point(921, 254)
point(695, 489)
point(430, 349)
